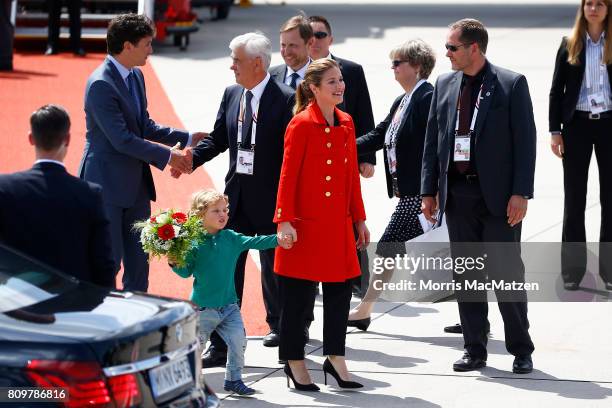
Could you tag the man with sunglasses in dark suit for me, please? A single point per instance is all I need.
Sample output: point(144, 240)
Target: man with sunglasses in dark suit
point(357, 104)
point(482, 191)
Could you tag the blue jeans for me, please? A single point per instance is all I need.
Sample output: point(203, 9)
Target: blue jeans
point(227, 322)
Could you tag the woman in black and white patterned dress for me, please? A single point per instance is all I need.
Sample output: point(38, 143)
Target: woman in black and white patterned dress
point(401, 136)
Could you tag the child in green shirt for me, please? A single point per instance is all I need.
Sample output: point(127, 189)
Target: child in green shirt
point(212, 264)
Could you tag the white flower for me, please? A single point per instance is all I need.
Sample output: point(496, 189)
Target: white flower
point(163, 218)
point(177, 230)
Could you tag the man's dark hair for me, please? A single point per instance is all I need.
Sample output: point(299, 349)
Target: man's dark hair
point(127, 27)
point(50, 125)
point(321, 19)
point(300, 23)
point(472, 31)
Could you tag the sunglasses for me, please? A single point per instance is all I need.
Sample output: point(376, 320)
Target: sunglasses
point(397, 63)
point(319, 35)
point(454, 48)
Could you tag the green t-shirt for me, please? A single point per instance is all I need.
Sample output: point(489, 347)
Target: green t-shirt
point(213, 263)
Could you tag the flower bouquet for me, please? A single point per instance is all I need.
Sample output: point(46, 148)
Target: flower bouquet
point(170, 233)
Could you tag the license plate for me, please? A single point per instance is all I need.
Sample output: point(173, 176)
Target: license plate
point(170, 376)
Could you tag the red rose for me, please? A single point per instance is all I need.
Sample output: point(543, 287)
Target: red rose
point(165, 232)
point(152, 220)
point(179, 217)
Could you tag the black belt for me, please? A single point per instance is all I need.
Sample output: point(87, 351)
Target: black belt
point(593, 116)
point(469, 178)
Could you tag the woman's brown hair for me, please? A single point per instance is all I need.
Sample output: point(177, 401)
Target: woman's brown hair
point(575, 42)
point(314, 75)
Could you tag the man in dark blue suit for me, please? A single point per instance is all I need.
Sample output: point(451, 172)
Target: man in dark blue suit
point(119, 146)
point(251, 123)
point(52, 216)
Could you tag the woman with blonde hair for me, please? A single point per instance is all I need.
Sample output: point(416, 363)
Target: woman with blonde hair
point(580, 120)
point(318, 203)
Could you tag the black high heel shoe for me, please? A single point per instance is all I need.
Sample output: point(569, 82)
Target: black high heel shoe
point(297, 385)
point(361, 324)
point(329, 368)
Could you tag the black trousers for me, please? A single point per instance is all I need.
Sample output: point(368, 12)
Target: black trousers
point(474, 231)
point(242, 223)
point(580, 137)
point(74, 12)
point(6, 36)
point(297, 303)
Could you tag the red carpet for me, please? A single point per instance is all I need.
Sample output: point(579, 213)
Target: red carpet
point(60, 79)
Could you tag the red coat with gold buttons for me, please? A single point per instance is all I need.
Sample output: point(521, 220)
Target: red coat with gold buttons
point(320, 194)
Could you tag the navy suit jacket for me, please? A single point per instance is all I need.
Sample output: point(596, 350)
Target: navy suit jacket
point(118, 150)
point(356, 101)
point(58, 219)
point(259, 190)
point(410, 141)
point(504, 144)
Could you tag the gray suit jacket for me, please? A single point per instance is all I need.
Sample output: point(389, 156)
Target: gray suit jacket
point(505, 138)
point(118, 150)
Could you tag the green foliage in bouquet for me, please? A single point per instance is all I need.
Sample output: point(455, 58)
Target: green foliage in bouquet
point(172, 234)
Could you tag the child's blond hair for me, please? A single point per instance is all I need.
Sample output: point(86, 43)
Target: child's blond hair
point(203, 199)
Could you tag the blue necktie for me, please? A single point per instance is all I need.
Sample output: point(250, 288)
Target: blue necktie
point(133, 92)
point(294, 78)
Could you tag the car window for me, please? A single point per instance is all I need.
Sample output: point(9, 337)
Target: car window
point(25, 282)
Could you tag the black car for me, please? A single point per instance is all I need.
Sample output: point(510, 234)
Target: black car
point(106, 348)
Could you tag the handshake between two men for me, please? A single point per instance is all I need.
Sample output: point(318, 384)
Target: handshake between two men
point(181, 161)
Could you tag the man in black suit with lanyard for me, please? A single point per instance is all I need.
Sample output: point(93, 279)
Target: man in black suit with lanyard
point(53, 216)
point(484, 186)
point(251, 123)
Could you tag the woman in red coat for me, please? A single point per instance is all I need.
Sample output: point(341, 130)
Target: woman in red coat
point(318, 202)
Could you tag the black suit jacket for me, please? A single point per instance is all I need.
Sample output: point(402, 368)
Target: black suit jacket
point(504, 144)
point(565, 89)
point(410, 141)
point(58, 219)
point(259, 189)
point(356, 98)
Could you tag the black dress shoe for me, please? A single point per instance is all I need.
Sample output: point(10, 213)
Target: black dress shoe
point(522, 365)
point(79, 52)
point(214, 358)
point(456, 329)
point(271, 339)
point(570, 285)
point(51, 50)
point(608, 285)
point(363, 324)
point(469, 363)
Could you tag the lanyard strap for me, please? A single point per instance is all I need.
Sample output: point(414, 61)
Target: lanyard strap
point(474, 116)
point(602, 72)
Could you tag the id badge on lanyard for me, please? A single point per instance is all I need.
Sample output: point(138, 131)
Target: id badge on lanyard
point(462, 146)
point(245, 161)
point(597, 101)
